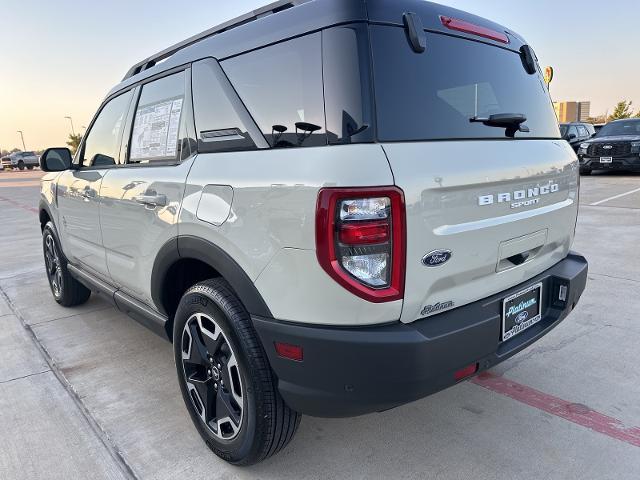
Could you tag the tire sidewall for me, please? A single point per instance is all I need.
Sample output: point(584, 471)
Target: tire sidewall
point(200, 301)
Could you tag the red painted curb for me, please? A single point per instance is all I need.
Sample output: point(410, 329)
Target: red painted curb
point(573, 412)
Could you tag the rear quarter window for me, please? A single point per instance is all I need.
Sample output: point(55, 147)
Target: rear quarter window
point(432, 95)
point(281, 86)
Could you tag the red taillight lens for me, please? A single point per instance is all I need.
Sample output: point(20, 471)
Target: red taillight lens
point(466, 27)
point(360, 240)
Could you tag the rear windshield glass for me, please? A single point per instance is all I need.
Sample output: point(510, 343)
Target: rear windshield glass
point(432, 95)
point(629, 127)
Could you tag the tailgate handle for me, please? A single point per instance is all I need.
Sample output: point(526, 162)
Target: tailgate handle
point(520, 250)
point(520, 258)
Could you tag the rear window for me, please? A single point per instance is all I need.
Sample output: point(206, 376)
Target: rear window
point(432, 95)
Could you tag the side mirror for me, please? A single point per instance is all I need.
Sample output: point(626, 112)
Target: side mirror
point(56, 160)
point(572, 136)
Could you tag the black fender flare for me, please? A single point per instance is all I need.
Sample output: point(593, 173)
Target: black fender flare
point(43, 206)
point(190, 247)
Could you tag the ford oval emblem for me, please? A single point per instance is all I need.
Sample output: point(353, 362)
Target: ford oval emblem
point(436, 258)
point(522, 317)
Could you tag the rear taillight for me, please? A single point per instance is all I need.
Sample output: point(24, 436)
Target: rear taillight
point(360, 240)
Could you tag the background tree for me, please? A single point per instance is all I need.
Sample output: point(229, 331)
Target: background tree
point(74, 142)
point(622, 110)
point(597, 120)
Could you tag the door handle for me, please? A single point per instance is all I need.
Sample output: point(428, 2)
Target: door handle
point(152, 200)
point(88, 193)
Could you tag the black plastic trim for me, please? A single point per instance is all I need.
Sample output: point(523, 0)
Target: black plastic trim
point(140, 312)
point(92, 283)
point(358, 370)
point(415, 31)
point(214, 256)
point(190, 247)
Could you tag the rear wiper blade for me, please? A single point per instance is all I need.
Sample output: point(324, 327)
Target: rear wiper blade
point(512, 122)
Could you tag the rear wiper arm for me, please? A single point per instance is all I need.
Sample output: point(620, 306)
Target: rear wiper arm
point(513, 122)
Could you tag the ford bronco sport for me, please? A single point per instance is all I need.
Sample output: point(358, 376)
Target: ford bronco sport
point(330, 207)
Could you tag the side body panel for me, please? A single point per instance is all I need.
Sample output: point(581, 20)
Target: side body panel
point(133, 233)
point(270, 228)
point(79, 218)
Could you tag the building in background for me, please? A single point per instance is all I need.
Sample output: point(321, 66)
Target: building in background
point(572, 111)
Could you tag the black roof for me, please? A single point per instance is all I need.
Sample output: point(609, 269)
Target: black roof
point(291, 18)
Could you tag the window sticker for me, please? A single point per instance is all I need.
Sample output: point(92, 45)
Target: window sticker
point(156, 128)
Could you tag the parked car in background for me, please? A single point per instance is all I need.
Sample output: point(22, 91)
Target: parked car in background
point(616, 146)
point(576, 132)
point(20, 160)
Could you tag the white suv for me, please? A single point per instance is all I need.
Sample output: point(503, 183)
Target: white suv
point(331, 208)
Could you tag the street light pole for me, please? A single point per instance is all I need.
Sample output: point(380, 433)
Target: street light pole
point(72, 130)
point(24, 148)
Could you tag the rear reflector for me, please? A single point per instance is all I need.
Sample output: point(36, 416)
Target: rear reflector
point(466, 372)
point(364, 233)
point(466, 27)
point(288, 351)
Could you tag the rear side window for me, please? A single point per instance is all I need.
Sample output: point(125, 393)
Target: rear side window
point(101, 147)
point(347, 84)
point(432, 95)
point(158, 124)
point(281, 87)
point(218, 123)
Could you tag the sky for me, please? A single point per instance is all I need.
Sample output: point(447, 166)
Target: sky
point(60, 58)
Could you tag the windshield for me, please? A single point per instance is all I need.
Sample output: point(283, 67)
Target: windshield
point(433, 95)
point(563, 130)
point(628, 127)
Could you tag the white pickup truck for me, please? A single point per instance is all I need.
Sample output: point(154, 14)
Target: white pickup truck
point(20, 160)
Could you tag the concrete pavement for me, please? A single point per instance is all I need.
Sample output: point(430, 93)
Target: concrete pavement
point(88, 393)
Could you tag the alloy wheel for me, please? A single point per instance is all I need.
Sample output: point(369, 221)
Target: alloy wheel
point(52, 263)
point(212, 376)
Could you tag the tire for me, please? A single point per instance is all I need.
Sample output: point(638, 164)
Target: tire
point(29, 167)
point(66, 290)
point(21, 165)
point(585, 171)
point(210, 313)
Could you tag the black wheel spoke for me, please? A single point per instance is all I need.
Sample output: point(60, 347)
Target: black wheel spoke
point(199, 354)
point(213, 345)
point(225, 409)
point(207, 396)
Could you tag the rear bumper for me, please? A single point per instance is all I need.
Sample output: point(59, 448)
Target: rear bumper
point(353, 371)
point(630, 163)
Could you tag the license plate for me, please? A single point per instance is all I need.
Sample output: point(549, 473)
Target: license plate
point(606, 159)
point(521, 311)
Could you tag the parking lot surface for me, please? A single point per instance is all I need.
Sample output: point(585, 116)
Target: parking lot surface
point(88, 393)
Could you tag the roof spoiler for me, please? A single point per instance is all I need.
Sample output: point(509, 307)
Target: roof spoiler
point(270, 9)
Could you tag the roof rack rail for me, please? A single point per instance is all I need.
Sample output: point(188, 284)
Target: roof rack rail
point(270, 9)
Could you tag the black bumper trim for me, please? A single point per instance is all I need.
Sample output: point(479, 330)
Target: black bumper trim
point(352, 371)
point(630, 163)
